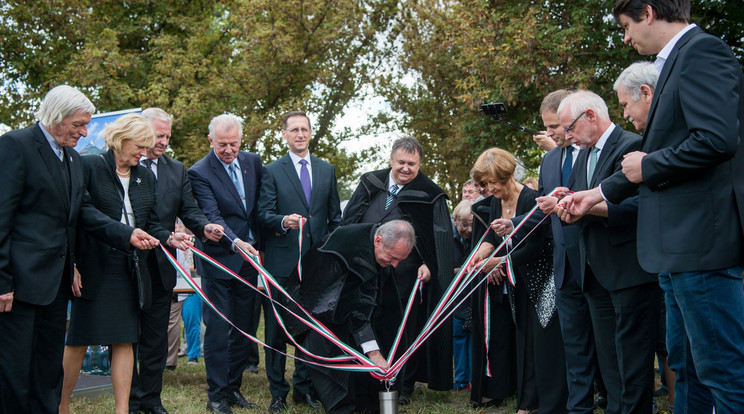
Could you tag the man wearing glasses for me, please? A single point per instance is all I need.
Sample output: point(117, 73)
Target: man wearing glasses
point(623, 298)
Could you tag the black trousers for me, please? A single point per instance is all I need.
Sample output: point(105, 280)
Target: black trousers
point(225, 348)
point(32, 342)
point(625, 323)
point(151, 349)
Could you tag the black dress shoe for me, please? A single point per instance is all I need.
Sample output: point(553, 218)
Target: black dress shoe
point(236, 399)
point(219, 407)
point(251, 369)
point(404, 399)
point(306, 399)
point(158, 409)
point(601, 402)
point(278, 404)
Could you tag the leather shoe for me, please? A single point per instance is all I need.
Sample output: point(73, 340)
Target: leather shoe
point(404, 399)
point(251, 369)
point(601, 402)
point(158, 409)
point(219, 407)
point(278, 404)
point(306, 399)
point(236, 399)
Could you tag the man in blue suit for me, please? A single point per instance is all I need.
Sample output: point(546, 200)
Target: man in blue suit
point(297, 187)
point(226, 184)
point(691, 210)
point(43, 204)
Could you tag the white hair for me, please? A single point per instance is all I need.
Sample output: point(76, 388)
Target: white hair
point(156, 113)
point(582, 100)
point(635, 75)
point(226, 122)
point(60, 102)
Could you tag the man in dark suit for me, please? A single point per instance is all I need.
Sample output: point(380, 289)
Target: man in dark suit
point(622, 297)
point(174, 200)
point(691, 211)
point(43, 202)
point(403, 192)
point(226, 184)
point(297, 187)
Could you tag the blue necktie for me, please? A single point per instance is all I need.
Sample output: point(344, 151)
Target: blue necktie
point(236, 182)
point(391, 195)
point(305, 180)
point(567, 163)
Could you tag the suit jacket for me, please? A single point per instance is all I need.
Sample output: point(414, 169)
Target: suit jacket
point(39, 218)
point(692, 196)
point(609, 244)
point(216, 195)
point(175, 199)
point(281, 195)
point(105, 192)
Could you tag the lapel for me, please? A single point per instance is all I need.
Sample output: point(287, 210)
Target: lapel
point(76, 176)
point(249, 180)
point(577, 179)
point(664, 75)
point(605, 156)
point(53, 165)
point(316, 178)
point(553, 162)
point(163, 176)
point(289, 169)
point(219, 171)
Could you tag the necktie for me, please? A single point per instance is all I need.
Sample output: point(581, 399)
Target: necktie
point(151, 166)
point(567, 163)
point(391, 195)
point(236, 182)
point(592, 166)
point(305, 180)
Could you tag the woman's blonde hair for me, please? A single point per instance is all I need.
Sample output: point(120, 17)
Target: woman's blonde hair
point(129, 126)
point(494, 163)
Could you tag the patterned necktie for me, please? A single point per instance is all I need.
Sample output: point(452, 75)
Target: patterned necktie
point(566, 170)
point(391, 195)
point(305, 180)
point(592, 166)
point(236, 182)
point(151, 166)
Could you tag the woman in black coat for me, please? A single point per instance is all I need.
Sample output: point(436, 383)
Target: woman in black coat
point(540, 364)
point(106, 310)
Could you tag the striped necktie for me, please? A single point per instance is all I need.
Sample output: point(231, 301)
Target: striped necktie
point(391, 195)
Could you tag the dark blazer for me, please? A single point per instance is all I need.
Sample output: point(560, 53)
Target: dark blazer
point(565, 238)
point(692, 196)
point(609, 244)
point(175, 199)
point(39, 219)
point(281, 195)
point(105, 189)
point(219, 200)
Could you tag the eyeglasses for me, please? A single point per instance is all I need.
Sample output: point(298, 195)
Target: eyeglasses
point(295, 131)
point(568, 130)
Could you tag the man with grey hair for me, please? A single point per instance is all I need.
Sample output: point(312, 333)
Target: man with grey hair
point(174, 200)
point(635, 91)
point(344, 278)
point(226, 185)
point(623, 298)
point(43, 203)
point(403, 192)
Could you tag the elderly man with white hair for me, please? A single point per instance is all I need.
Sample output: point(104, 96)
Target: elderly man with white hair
point(635, 91)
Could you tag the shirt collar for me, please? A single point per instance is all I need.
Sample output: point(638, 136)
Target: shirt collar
point(296, 158)
point(391, 181)
point(603, 139)
point(52, 142)
point(664, 54)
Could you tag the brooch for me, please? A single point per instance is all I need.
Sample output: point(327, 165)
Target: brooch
point(139, 181)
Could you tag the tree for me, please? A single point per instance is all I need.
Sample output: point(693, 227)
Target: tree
point(196, 59)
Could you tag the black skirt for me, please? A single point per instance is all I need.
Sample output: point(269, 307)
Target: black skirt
point(110, 317)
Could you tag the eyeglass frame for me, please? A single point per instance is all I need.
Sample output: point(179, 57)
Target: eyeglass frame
point(568, 129)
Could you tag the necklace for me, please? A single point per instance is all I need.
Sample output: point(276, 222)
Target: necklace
point(129, 170)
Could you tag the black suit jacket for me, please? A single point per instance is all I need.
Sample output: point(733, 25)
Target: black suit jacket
point(609, 244)
point(216, 195)
point(39, 220)
point(692, 196)
point(105, 192)
point(281, 195)
point(175, 199)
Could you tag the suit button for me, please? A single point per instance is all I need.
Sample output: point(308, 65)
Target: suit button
point(310, 216)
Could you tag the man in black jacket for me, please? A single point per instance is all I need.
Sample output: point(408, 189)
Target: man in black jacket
point(403, 192)
point(174, 200)
point(342, 284)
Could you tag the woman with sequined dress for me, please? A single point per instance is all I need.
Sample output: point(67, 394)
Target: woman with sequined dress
point(541, 376)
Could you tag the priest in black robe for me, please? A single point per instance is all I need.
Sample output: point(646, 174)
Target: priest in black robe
point(344, 278)
point(403, 192)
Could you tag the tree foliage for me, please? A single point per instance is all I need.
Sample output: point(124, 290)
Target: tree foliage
point(196, 59)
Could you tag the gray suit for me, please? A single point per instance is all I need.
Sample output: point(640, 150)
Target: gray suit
point(282, 194)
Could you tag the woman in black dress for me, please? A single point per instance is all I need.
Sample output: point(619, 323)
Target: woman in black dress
point(106, 310)
point(539, 347)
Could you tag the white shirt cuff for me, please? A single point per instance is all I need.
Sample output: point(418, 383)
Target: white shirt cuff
point(370, 346)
